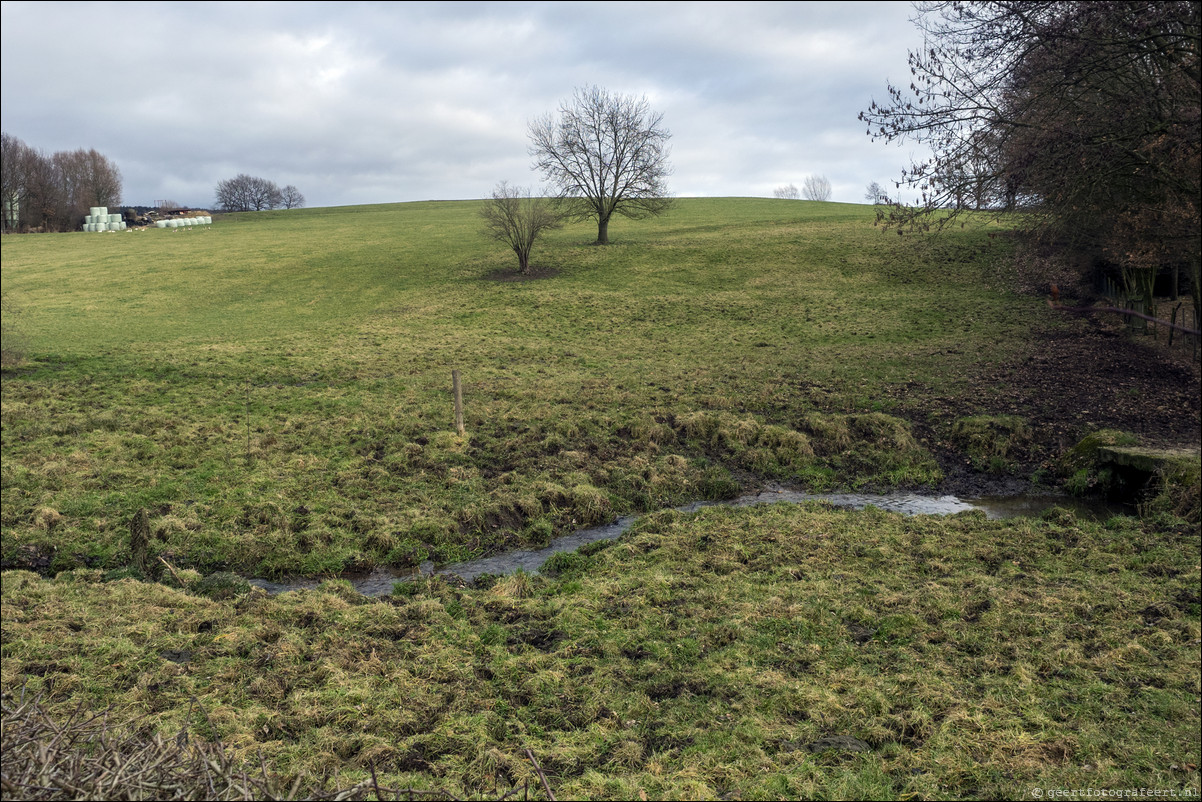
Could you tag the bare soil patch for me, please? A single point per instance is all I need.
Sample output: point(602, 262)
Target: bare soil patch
point(1082, 378)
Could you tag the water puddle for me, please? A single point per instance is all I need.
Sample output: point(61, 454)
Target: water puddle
point(380, 581)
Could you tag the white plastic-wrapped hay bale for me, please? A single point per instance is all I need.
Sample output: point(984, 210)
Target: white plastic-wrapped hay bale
point(160, 223)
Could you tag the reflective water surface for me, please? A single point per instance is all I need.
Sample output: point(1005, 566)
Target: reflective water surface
point(380, 581)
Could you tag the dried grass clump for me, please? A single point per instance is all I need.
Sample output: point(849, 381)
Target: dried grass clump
point(89, 757)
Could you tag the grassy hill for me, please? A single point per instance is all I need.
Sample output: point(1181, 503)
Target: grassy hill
point(275, 392)
point(227, 377)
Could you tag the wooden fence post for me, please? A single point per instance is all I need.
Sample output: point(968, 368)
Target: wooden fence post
point(458, 388)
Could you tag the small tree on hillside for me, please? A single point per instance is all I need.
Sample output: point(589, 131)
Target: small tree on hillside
point(517, 218)
point(816, 188)
point(874, 193)
point(787, 192)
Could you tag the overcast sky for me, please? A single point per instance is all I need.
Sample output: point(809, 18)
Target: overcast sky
point(381, 102)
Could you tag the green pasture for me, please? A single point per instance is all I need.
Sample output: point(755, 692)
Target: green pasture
point(275, 393)
point(275, 389)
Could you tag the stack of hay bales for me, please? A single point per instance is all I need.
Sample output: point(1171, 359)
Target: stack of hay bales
point(184, 222)
point(101, 220)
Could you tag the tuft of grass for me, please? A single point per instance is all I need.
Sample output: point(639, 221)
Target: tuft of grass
point(1179, 492)
point(992, 442)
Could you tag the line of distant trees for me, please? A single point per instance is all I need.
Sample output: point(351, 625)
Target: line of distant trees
point(53, 192)
point(815, 188)
point(248, 193)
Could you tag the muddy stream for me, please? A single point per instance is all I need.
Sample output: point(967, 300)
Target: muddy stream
point(380, 581)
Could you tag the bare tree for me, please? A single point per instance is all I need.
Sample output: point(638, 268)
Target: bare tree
point(43, 193)
point(517, 218)
point(101, 184)
point(291, 198)
point(245, 193)
point(606, 154)
point(1053, 109)
point(1080, 118)
point(265, 195)
point(13, 159)
point(874, 193)
point(788, 192)
point(231, 194)
point(71, 170)
point(816, 188)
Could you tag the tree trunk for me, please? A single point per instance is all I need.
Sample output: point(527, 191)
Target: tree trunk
point(603, 231)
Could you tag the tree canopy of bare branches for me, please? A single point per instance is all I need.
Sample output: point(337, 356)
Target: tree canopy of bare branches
point(787, 192)
point(816, 188)
point(291, 198)
point(518, 218)
point(53, 192)
point(606, 154)
point(246, 193)
point(1082, 118)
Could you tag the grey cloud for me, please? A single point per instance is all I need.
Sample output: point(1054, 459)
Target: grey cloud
point(382, 102)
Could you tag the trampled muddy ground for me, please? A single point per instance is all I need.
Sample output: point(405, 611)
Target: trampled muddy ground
point(1086, 376)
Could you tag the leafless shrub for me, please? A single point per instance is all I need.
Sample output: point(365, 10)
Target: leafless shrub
point(816, 188)
point(518, 218)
